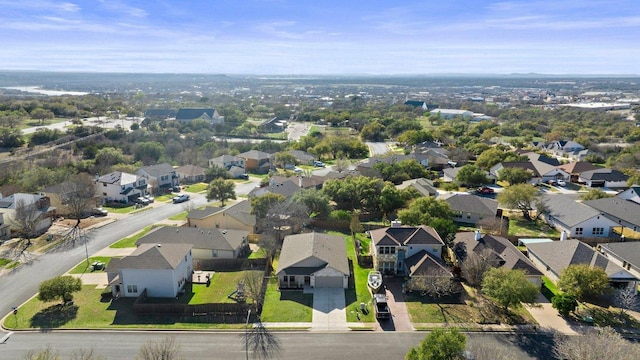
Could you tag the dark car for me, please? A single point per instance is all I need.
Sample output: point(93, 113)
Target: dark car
point(180, 198)
point(485, 190)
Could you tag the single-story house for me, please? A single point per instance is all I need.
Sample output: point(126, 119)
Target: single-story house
point(625, 254)
point(576, 219)
point(631, 194)
point(162, 270)
point(190, 174)
point(314, 260)
point(206, 243)
point(451, 113)
point(302, 157)
point(506, 255)
point(625, 213)
point(272, 125)
point(553, 258)
point(236, 216)
point(604, 178)
point(471, 209)
point(285, 188)
point(421, 185)
point(393, 245)
point(186, 115)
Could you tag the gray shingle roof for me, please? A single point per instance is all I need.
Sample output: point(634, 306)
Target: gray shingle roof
point(626, 251)
point(616, 208)
point(470, 203)
point(506, 252)
point(403, 235)
point(255, 154)
point(424, 263)
point(200, 238)
point(151, 257)
point(201, 214)
point(604, 174)
point(158, 169)
point(558, 255)
point(329, 250)
point(190, 114)
point(286, 189)
point(567, 210)
point(422, 185)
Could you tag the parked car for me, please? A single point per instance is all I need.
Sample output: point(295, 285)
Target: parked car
point(485, 190)
point(243, 176)
point(150, 198)
point(142, 200)
point(297, 170)
point(552, 182)
point(318, 164)
point(180, 198)
point(98, 211)
point(561, 183)
point(381, 307)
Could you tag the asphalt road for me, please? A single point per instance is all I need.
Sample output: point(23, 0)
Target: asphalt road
point(295, 345)
point(377, 148)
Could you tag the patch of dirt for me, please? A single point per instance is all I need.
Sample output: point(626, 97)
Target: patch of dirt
point(85, 223)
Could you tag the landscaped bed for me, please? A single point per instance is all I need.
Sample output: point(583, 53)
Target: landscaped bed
point(85, 267)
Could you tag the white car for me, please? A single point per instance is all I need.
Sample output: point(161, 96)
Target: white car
point(561, 183)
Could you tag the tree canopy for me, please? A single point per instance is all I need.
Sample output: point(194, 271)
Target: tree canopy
point(509, 287)
point(59, 288)
point(440, 344)
point(523, 197)
point(221, 189)
point(583, 281)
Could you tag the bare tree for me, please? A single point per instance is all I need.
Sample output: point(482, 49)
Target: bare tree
point(252, 282)
point(434, 286)
point(627, 299)
point(595, 345)
point(25, 221)
point(164, 349)
point(341, 165)
point(283, 216)
point(86, 354)
point(78, 195)
point(475, 265)
point(262, 343)
point(42, 354)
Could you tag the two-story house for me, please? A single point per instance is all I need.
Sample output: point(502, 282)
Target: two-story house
point(235, 165)
point(120, 187)
point(394, 246)
point(36, 207)
point(257, 161)
point(159, 177)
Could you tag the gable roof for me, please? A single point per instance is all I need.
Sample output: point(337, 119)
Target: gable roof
point(192, 113)
point(423, 186)
point(558, 255)
point(469, 203)
point(190, 170)
point(578, 167)
point(616, 208)
point(508, 255)
point(567, 210)
point(403, 235)
point(118, 177)
point(158, 169)
point(203, 213)
point(151, 257)
point(255, 154)
point(527, 165)
point(424, 263)
point(631, 194)
point(200, 238)
point(285, 188)
point(328, 249)
point(626, 251)
point(604, 174)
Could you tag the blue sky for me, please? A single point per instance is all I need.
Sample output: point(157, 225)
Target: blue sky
point(322, 37)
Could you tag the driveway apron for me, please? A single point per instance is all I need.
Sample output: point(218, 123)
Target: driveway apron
point(329, 312)
point(400, 320)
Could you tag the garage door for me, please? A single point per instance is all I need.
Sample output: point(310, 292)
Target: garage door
point(329, 281)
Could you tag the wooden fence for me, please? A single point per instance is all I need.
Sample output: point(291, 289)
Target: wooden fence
point(141, 307)
point(229, 264)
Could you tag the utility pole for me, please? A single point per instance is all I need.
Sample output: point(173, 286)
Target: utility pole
point(246, 335)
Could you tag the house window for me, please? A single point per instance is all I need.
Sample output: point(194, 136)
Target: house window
point(597, 231)
point(104, 184)
point(579, 231)
point(387, 250)
point(457, 215)
point(132, 289)
point(214, 253)
point(104, 194)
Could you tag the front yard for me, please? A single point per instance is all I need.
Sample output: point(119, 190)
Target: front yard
point(286, 306)
point(130, 242)
point(85, 267)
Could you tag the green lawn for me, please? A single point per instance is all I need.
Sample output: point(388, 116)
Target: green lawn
point(165, 197)
point(359, 294)
point(180, 216)
point(286, 306)
point(222, 285)
point(525, 228)
point(120, 210)
point(89, 312)
point(423, 312)
point(4, 261)
point(130, 241)
point(196, 188)
point(257, 254)
point(84, 268)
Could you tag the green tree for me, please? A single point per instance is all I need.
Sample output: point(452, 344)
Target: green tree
point(284, 158)
point(215, 172)
point(392, 199)
point(509, 287)
point(316, 202)
point(355, 193)
point(61, 287)
point(41, 114)
point(564, 303)
point(471, 175)
point(595, 194)
point(514, 175)
point(522, 197)
point(221, 189)
point(440, 344)
point(10, 137)
point(149, 152)
point(583, 281)
point(261, 204)
point(432, 212)
point(489, 157)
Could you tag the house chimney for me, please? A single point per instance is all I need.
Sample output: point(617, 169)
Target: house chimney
point(396, 223)
point(563, 235)
point(477, 235)
point(159, 245)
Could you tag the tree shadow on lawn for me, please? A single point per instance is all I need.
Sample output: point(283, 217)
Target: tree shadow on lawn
point(296, 296)
point(125, 315)
point(54, 316)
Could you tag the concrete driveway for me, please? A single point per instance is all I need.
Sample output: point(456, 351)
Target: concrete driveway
point(400, 320)
point(329, 312)
point(548, 317)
